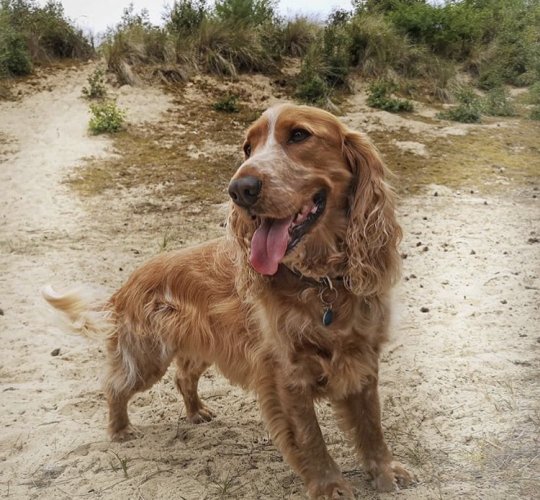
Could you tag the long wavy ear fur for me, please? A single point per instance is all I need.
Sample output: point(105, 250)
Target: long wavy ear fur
point(373, 233)
point(238, 230)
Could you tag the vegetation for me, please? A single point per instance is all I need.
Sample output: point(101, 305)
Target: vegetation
point(227, 104)
point(497, 103)
point(534, 99)
point(31, 34)
point(107, 117)
point(96, 85)
point(417, 44)
point(379, 96)
point(469, 108)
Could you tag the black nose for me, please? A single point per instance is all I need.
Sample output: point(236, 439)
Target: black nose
point(245, 190)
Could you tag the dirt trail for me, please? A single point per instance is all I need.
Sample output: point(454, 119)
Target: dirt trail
point(460, 380)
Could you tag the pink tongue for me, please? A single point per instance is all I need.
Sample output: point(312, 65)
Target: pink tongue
point(269, 244)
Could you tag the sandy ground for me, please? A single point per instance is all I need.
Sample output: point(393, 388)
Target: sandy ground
point(460, 386)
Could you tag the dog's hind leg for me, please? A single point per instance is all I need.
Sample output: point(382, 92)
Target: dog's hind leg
point(188, 373)
point(135, 364)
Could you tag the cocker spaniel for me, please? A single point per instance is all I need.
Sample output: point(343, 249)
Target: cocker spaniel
point(291, 303)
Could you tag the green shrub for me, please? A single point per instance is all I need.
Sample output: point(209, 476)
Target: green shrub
point(326, 63)
point(96, 85)
point(31, 34)
point(14, 56)
point(246, 12)
point(296, 36)
point(227, 104)
point(534, 99)
point(497, 103)
point(377, 47)
point(312, 89)
point(468, 109)
point(106, 117)
point(379, 96)
point(185, 16)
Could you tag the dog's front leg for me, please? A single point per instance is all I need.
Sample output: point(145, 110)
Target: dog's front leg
point(290, 417)
point(360, 416)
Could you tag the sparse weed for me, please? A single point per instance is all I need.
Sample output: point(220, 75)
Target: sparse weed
point(122, 463)
point(96, 85)
point(227, 104)
point(226, 485)
point(107, 117)
point(165, 241)
point(379, 96)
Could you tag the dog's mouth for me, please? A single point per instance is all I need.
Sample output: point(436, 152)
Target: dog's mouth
point(275, 237)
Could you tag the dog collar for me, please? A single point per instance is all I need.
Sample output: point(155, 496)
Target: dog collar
point(327, 293)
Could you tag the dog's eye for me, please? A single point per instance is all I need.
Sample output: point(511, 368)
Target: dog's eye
point(298, 135)
point(247, 150)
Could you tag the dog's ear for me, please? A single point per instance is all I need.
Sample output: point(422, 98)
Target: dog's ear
point(373, 233)
point(240, 229)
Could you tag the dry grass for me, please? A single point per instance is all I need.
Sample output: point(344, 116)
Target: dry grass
point(193, 154)
point(485, 157)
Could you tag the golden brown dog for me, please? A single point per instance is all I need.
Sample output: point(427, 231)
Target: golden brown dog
point(292, 303)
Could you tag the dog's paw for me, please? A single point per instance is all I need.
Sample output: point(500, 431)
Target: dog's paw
point(338, 489)
point(392, 476)
point(126, 434)
point(204, 414)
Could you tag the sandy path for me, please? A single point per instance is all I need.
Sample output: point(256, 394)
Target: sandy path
point(460, 381)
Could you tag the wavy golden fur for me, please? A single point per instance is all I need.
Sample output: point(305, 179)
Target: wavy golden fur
point(211, 304)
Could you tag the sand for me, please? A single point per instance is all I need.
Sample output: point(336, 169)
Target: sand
point(460, 386)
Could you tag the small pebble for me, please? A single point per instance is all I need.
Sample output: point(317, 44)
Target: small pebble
point(424, 309)
point(435, 193)
point(473, 252)
point(120, 268)
point(1, 312)
point(403, 256)
point(419, 244)
point(504, 301)
point(425, 249)
point(55, 352)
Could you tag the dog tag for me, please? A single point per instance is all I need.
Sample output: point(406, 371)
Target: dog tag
point(328, 317)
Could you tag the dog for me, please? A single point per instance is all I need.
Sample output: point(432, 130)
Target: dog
point(292, 303)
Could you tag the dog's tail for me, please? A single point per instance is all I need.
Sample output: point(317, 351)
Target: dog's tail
point(83, 311)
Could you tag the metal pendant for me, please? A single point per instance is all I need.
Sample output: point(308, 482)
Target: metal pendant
point(328, 316)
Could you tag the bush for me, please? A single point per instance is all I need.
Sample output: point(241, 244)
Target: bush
point(14, 56)
point(468, 110)
point(228, 104)
point(312, 89)
point(376, 46)
point(534, 99)
point(107, 117)
point(32, 34)
point(246, 12)
point(379, 96)
point(185, 16)
point(96, 85)
point(497, 103)
point(296, 36)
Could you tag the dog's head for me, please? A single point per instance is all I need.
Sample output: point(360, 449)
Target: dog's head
point(311, 195)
